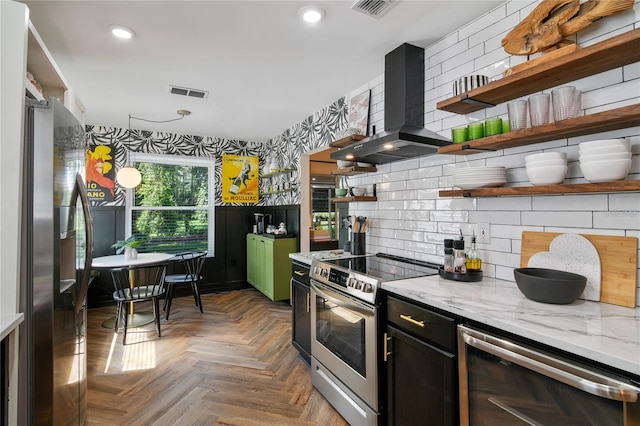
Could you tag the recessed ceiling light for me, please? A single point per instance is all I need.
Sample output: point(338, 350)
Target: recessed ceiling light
point(311, 14)
point(121, 32)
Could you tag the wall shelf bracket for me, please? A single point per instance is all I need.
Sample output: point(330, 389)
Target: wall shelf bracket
point(467, 100)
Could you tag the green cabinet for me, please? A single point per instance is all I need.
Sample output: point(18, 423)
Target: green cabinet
point(269, 265)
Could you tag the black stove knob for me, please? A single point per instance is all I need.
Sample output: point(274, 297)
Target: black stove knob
point(367, 288)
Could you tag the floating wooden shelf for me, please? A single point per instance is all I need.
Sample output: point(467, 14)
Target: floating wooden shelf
point(576, 188)
point(352, 199)
point(277, 172)
point(278, 192)
point(612, 53)
point(340, 143)
point(353, 170)
point(614, 119)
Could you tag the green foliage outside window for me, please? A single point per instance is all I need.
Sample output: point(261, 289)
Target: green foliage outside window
point(171, 207)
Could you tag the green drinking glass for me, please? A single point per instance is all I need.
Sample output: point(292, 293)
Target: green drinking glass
point(460, 134)
point(476, 130)
point(493, 126)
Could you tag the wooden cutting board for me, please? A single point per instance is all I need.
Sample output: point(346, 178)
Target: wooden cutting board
point(618, 259)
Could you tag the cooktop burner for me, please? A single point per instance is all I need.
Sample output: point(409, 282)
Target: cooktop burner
point(386, 267)
point(362, 276)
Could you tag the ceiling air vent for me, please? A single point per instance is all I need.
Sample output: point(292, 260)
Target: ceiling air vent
point(184, 91)
point(374, 8)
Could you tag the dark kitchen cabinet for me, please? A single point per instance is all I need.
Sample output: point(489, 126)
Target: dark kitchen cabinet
point(420, 361)
point(301, 310)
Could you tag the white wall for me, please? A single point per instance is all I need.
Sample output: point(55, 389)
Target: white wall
point(410, 219)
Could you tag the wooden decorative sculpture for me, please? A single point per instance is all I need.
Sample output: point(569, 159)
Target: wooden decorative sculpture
point(552, 21)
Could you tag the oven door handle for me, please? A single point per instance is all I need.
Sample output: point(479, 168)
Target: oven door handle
point(342, 301)
point(572, 375)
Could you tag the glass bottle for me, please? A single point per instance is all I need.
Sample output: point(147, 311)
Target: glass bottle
point(448, 255)
point(235, 185)
point(474, 263)
point(459, 257)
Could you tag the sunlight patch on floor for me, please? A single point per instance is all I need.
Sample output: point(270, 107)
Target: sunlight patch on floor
point(138, 354)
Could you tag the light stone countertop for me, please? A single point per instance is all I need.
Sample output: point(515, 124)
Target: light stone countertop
point(307, 257)
point(605, 333)
point(9, 322)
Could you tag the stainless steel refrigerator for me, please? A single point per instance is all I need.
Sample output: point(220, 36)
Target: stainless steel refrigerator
point(56, 257)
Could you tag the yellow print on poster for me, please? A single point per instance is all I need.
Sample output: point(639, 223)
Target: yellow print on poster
point(239, 179)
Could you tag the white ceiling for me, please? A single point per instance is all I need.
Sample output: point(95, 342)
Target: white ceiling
point(264, 69)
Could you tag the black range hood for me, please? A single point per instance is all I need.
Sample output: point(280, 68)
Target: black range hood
point(404, 134)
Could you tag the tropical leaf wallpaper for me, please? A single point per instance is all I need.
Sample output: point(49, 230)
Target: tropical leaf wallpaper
point(313, 132)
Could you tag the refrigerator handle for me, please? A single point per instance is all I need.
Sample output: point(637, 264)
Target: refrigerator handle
point(81, 191)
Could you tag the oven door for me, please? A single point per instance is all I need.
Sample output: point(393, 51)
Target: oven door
point(343, 340)
point(505, 383)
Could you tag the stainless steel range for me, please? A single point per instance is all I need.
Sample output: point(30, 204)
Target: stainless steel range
point(345, 325)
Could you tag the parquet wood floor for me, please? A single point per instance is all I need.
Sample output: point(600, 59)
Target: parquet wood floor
point(232, 365)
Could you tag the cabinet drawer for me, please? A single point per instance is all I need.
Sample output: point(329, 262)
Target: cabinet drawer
point(300, 272)
point(422, 323)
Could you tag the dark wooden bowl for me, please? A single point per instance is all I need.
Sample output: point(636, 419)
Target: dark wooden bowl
point(549, 285)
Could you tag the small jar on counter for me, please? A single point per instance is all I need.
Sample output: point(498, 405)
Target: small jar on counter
point(448, 255)
point(459, 257)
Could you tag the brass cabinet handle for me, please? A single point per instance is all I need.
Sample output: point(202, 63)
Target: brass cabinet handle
point(385, 346)
point(308, 302)
point(299, 273)
point(412, 321)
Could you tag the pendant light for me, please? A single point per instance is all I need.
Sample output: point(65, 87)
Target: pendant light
point(129, 176)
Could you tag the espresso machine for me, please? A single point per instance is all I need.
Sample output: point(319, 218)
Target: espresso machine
point(258, 227)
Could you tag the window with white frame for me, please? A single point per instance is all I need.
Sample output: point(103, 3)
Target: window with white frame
point(172, 210)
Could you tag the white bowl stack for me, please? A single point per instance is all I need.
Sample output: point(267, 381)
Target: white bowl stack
point(605, 160)
point(479, 177)
point(546, 168)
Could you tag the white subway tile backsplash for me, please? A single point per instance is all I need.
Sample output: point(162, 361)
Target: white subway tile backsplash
point(624, 202)
point(474, 28)
point(421, 225)
point(419, 204)
point(450, 216)
point(441, 45)
point(558, 218)
point(395, 176)
point(617, 220)
point(420, 248)
point(492, 35)
point(441, 57)
point(595, 202)
point(505, 203)
point(466, 203)
point(413, 163)
point(409, 215)
point(424, 183)
point(409, 235)
point(631, 72)
point(463, 58)
point(498, 216)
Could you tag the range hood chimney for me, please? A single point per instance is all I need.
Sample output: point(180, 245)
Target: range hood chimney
point(404, 134)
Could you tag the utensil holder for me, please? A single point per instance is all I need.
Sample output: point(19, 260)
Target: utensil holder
point(359, 243)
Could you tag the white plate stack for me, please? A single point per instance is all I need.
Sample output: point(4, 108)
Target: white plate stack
point(605, 160)
point(479, 177)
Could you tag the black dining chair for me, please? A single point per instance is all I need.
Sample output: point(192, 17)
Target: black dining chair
point(138, 284)
point(192, 262)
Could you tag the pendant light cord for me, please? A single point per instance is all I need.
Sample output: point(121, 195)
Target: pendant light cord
point(182, 113)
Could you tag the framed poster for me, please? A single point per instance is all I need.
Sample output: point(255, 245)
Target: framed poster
point(359, 112)
point(100, 174)
point(239, 179)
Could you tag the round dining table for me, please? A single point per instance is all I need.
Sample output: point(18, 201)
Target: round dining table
point(120, 261)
